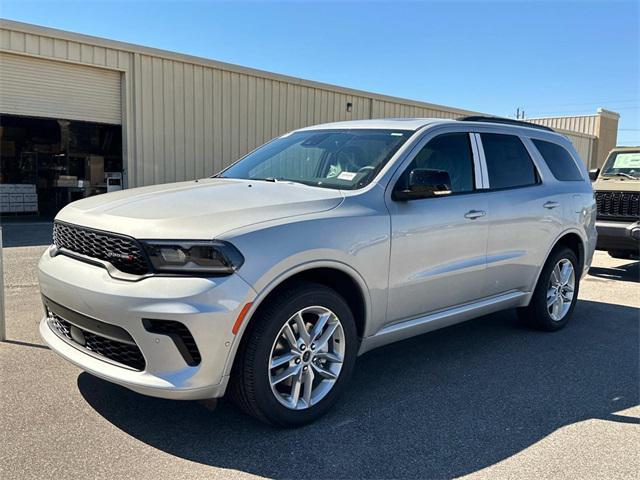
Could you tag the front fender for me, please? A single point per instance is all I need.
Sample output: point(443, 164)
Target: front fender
point(358, 246)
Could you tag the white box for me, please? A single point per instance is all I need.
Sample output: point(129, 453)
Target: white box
point(26, 188)
point(30, 197)
point(31, 207)
point(9, 188)
point(16, 198)
point(17, 207)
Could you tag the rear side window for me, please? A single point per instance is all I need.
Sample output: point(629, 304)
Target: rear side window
point(559, 161)
point(508, 162)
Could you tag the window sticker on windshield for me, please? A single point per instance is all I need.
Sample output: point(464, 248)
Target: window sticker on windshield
point(627, 160)
point(396, 134)
point(346, 175)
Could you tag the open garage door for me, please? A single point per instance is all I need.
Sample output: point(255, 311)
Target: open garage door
point(43, 88)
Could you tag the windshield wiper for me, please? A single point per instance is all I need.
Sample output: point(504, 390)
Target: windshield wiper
point(266, 179)
point(276, 180)
point(622, 174)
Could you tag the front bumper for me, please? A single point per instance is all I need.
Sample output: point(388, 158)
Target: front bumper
point(621, 235)
point(208, 307)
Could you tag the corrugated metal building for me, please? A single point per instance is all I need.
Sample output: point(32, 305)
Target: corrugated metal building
point(175, 116)
point(598, 133)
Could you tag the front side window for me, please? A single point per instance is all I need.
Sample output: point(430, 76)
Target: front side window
point(508, 162)
point(338, 158)
point(622, 164)
point(559, 161)
point(451, 153)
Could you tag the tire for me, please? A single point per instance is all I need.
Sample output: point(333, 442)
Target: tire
point(537, 314)
point(252, 379)
point(624, 254)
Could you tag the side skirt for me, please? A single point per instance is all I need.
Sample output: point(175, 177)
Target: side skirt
point(444, 318)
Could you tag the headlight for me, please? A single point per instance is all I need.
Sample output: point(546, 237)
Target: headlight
point(200, 257)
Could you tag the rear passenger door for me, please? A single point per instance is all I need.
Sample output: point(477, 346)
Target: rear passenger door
point(522, 214)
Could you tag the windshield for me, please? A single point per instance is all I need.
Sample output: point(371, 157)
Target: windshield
point(344, 159)
point(623, 163)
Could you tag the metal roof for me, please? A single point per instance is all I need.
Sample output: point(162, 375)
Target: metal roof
point(383, 123)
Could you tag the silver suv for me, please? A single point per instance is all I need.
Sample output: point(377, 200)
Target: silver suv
point(271, 277)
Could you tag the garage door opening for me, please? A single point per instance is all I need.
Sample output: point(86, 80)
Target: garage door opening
point(47, 163)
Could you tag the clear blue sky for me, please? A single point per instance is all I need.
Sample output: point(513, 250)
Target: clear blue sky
point(548, 57)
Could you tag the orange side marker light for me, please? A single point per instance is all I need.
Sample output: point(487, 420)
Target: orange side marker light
point(243, 313)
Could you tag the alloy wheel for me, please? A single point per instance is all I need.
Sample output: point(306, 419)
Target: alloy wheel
point(306, 357)
point(561, 289)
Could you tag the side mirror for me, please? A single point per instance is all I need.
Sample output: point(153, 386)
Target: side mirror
point(593, 174)
point(424, 183)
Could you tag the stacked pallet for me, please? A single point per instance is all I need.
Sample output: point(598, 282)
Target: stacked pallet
point(18, 198)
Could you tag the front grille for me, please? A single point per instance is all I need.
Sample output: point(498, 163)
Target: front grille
point(124, 253)
point(123, 353)
point(618, 205)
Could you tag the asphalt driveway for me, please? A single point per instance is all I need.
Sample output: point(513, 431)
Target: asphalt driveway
point(486, 398)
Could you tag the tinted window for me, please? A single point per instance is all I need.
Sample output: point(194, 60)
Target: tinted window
point(558, 160)
point(508, 162)
point(450, 152)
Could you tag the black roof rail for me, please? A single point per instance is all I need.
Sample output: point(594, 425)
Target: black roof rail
point(507, 121)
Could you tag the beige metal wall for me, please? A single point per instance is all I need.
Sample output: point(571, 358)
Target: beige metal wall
point(602, 127)
point(185, 117)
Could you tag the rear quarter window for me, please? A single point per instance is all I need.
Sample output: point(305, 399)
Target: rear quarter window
point(559, 161)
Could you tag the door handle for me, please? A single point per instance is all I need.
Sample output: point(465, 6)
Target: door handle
point(551, 205)
point(473, 214)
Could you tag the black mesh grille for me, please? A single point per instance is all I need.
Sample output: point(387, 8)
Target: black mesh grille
point(623, 205)
point(124, 253)
point(124, 353)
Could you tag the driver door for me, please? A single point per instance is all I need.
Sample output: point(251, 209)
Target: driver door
point(439, 244)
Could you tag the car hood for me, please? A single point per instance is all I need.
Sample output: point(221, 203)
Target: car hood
point(616, 184)
point(201, 209)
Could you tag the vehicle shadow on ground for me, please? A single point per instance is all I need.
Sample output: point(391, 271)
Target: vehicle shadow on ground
point(436, 406)
point(626, 272)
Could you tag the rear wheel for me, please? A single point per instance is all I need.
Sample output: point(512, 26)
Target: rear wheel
point(556, 293)
point(297, 357)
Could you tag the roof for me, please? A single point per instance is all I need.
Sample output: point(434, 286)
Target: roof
point(383, 123)
point(30, 29)
point(417, 123)
point(625, 147)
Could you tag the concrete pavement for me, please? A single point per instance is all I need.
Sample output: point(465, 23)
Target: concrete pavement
point(484, 399)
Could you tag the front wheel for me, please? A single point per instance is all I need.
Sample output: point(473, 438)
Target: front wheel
point(556, 293)
point(298, 356)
